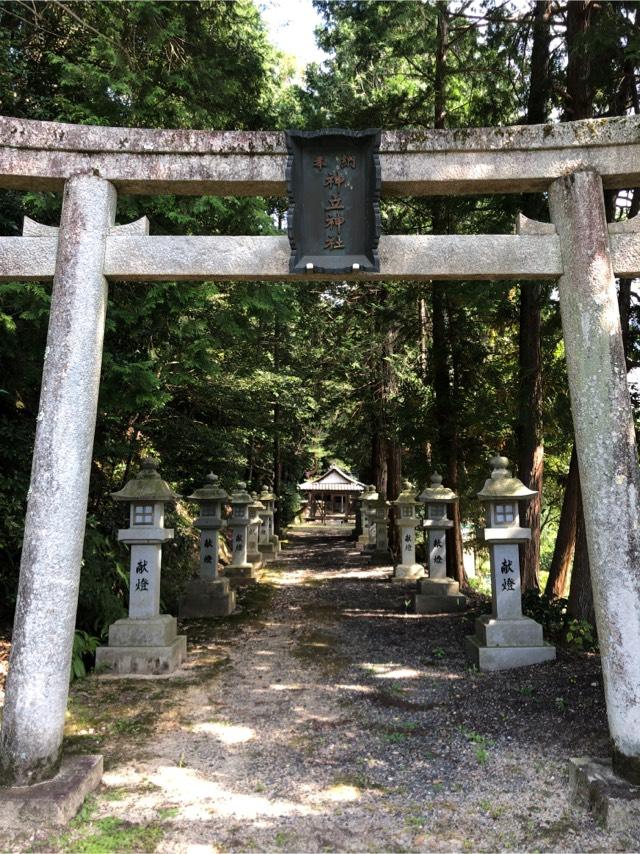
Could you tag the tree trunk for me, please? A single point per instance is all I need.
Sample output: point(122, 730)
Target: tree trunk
point(578, 105)
point(566, 539)
point(530, 434)
point(441, 324)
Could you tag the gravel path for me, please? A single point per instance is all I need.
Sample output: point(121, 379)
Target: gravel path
point(331, 720)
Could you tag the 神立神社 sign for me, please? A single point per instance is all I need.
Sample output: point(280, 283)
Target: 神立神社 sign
point(333, 182)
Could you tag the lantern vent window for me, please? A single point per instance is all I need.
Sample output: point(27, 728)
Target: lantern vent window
point(407, 510)
point(436, 512)
point(239, 511)
point(143, 514)
point(505, 514)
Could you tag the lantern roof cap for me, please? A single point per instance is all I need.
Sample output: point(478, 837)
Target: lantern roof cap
point(501, 484)
point(266, 494)
point(408, 494)
point(370, 493)
point(240, 494)
point(436, 492)
point(210, 490)
point(147, 485)
point(256, 504)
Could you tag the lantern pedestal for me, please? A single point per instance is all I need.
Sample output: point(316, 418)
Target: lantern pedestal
point(206, 597)
point(438, 596)
point(506, 638)
point(143, 646)
point(208, 594)
point(147, 642)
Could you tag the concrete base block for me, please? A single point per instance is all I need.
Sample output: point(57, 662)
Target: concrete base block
point(241, 574)
point(438, 604)
point(521, 632)
point(255, 559)
point(152, 631)
point(142, 660)
point(207, 598)
point(438, 587)
point(612, 800)
point(408, 572)
point(54, 802)
point(267, 550)
point(505, 657)
point(276, 542)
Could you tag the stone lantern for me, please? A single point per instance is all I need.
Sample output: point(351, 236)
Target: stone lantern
point(253, 531)
point(437, 593)
point(407, 522)
point(239, 570)
point(506, 638)
point(146, 641)
point(369, 518)
point(268, 543)
point(363, 537)
point(381, 520)
point(208, 595)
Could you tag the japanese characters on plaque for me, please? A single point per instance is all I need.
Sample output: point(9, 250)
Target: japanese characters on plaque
point(208, 549)
point(142, 576)
point(333, 180)
point(508, 582)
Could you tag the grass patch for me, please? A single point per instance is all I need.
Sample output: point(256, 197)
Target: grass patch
point(111, 834)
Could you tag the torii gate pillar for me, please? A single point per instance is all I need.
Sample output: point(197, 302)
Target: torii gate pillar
point(606, 447)
point(39, 667)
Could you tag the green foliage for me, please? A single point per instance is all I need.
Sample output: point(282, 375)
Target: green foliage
point(84, 647)
point(558, 624)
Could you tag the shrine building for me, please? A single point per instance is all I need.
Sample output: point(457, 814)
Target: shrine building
point(334, 492)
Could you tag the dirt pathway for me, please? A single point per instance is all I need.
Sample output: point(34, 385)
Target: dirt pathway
point(326, 718)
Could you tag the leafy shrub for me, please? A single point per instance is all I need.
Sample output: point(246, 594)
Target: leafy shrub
point(557, 623)
point(83, 656)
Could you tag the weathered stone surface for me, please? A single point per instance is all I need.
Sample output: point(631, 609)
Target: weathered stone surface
point(612, 800)
point(438, 587)
point(488, 658)
point(606, 446)
point(41, 155)
point(412, 257)
point(54, 802)
point(207, 598)
point(155, 631)
point(142, 660)
point(433, 604)
point(38, 679)
point(504, 632)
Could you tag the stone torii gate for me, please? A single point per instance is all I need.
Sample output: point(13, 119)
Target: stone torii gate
point(571, 162)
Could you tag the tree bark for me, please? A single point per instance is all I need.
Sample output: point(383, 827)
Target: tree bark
point(563, 551)
point(530, 434)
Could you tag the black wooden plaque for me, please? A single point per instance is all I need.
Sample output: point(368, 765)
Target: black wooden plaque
point(333, 182)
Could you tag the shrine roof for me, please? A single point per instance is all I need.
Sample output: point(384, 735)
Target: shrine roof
point(333, 480)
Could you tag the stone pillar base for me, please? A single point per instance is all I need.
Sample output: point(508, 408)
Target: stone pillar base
point(381, 556)
point(612, 800)
point(54, 802)
point(505, 657)
point(267, 550)
point(437, 596)
point(276, 542)
point(149, 646)
point(242, 573)
point(255, 559)
point(407, 572)
point(207, 598)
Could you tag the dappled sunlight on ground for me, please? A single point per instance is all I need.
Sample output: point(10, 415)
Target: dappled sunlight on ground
point(224, 732)
point(202, 796)
point(327, 718)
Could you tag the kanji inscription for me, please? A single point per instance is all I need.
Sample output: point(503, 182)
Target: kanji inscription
point(333, 179)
